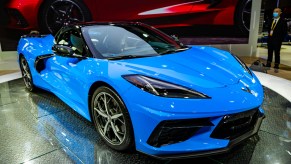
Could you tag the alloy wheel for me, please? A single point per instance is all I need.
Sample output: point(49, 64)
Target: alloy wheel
point(27, 78)
point(110, 119)
point(246, 14)
point(63, 12)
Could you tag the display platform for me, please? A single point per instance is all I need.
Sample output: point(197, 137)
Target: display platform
point(40, 128)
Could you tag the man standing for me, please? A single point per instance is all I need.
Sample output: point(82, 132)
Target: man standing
point(277, 32)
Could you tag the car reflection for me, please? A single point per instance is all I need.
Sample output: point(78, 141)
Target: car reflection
point(79, 138)
point(60, 125)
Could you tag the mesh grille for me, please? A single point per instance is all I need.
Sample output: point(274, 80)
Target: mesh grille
point(235, 125)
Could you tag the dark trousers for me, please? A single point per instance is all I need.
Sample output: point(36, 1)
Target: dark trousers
point(274, 47)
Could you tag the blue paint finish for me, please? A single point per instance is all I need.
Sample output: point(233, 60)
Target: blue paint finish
point(208, 70)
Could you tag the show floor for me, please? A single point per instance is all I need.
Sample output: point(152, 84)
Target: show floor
point(40, 128)
point(285, 54)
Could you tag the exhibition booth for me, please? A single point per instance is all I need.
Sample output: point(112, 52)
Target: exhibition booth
point(143, 82)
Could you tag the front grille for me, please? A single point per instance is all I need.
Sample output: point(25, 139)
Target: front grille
point(235, 125)
point(174, 131)
point(18, 17)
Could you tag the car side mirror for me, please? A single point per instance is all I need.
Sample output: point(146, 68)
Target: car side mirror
point(62, 50)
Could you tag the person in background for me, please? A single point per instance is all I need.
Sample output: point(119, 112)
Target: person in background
point(277, 32)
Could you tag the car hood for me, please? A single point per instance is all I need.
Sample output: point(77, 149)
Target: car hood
point(200, 66)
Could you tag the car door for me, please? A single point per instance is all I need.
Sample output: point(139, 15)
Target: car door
point(67, 72)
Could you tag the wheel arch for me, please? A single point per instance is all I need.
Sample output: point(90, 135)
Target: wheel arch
point(20, 56)
point(92, 89)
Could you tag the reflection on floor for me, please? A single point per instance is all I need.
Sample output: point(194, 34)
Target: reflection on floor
point(39, 128)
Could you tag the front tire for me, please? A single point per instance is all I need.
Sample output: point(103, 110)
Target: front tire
point(26, 74)
point(111, 119)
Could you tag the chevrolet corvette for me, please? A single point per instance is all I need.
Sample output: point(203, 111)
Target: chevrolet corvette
point(51, 15)
point(144, 90)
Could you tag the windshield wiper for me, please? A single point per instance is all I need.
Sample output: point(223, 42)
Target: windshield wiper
point(128, 57)
point(169, 51)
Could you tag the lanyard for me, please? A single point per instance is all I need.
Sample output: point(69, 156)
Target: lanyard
point(274, 24)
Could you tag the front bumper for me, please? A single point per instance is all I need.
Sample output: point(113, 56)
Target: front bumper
point(147, 117)
point(231, 144)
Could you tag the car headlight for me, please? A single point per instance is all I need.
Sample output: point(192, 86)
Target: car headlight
point(245, 67)
point(162, 88)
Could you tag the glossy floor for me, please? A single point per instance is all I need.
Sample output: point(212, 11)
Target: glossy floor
point(39, 128)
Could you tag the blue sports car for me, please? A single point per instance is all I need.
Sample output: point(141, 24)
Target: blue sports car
point(145, 90)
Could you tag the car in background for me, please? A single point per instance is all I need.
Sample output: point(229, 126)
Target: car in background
point(263, 39)
point(144, 90)
point(50, 15)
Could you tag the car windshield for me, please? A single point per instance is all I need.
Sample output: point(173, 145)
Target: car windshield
point(129, 41)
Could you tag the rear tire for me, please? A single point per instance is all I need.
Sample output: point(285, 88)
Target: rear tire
point(111, 119)
point(243, 16)
point(54, 14)
point(26, 74)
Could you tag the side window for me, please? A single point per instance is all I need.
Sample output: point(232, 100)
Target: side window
point(77, 43)
point(63, 38)
point(72, 39)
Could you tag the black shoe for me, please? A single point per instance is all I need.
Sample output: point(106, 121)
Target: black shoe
point(276, 70)
point(268, 65)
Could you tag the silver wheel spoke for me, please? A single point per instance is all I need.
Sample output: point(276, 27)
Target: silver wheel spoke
point(115, 131)
point(99, 106)
point(105, 103)
point(24, 74)
point(28, 76)
point(101, 113)
point(116, 116)
point(106, 127)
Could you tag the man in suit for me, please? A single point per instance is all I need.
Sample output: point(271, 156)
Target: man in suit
point(277, 32)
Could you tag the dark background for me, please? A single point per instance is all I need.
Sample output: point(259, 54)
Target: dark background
point(203, 34)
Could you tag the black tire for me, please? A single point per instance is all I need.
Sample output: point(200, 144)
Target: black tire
point(121, 136)
point(242, 17)
point(54, 14)
point(26, 74)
